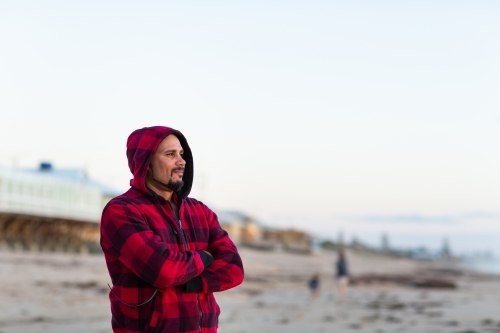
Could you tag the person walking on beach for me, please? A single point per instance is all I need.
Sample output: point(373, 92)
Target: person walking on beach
point(313, 284)
point(166, 253)
point(342, 275)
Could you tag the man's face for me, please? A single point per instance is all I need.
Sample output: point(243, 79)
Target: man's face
point(167, 164)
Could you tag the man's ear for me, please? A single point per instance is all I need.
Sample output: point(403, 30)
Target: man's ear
point(150, 170)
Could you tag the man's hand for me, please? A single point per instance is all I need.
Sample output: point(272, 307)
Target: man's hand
point(206, 257)
point(196, 284)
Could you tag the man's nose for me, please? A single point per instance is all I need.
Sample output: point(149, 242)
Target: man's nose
point(181, 161)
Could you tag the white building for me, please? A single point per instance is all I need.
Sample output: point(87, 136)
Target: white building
point(52, 208)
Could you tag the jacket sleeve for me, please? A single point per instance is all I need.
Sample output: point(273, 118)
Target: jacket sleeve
point(126, 236)
point(226, 271)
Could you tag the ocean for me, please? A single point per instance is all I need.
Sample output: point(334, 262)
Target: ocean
point(491, 266)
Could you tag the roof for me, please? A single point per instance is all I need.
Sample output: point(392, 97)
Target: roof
point(234, 216)
point(74, 175)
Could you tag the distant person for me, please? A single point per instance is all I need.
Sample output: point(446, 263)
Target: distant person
point(313, 285)
point(166, 252)
point(342, 275)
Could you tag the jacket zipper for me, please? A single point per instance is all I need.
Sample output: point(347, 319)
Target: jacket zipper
point(182, 235)
point(180, 225)
point(201, 312)
point(186, 248)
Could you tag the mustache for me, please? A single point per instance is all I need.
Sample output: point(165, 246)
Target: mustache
point(177, 169)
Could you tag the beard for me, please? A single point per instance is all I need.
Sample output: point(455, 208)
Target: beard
point(171, 185)
point(174, 186)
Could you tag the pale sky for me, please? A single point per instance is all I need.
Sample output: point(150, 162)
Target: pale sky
point(360, 116)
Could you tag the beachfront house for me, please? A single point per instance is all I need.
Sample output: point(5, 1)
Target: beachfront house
point(242, 228)
point(50, 209)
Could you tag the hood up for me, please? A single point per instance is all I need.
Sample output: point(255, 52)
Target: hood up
point(141, 146)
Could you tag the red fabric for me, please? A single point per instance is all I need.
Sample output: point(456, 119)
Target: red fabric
point(144, 251)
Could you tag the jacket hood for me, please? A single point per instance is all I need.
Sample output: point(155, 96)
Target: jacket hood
point(141, 146)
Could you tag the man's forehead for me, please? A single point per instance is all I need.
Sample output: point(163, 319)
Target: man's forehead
point(170, 142)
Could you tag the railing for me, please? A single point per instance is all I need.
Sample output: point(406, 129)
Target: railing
point(41, 212)
point(37, 194)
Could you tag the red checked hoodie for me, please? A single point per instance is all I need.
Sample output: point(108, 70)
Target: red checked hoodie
point(163, 281)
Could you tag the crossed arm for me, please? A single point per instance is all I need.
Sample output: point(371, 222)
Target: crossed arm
point(226, 271)
point(126, 236)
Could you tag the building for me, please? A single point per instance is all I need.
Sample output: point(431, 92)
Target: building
point(242, 229)
point(290, 240)
point(246, 231)
point(50, 209)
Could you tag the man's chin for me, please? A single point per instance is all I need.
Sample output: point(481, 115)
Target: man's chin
point(175, 185)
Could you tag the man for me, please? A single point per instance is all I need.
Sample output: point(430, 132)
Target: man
point(165, 252)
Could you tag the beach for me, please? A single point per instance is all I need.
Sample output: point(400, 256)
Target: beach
point(56, 292)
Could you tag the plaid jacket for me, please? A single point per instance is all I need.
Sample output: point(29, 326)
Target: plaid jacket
point(162, 279)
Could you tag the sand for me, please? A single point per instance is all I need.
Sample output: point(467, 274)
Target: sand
point(68, 293)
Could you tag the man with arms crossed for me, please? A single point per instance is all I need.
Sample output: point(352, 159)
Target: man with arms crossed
point(166, 252)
